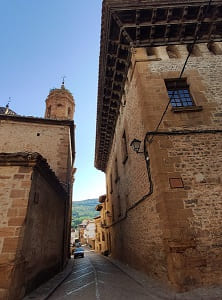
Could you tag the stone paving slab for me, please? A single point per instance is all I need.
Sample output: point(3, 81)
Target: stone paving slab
point(45, 290)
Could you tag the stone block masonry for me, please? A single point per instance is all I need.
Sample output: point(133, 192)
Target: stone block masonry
point(177, 228)
point(35, 216)
point(31, 249)
point(13, 201)
point(49, 140)
point(191, 214)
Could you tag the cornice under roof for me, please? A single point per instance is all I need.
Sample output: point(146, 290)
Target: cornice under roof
point(142, 23)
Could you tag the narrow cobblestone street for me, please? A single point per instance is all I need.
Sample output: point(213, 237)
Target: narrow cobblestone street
point(95, 277)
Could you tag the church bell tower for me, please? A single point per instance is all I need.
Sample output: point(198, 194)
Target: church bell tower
point(60, 104)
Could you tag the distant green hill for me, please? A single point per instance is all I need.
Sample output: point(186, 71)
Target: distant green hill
point(84, 209)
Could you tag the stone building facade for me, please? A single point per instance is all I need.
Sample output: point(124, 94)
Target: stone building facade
point(81, 229)
point(164, 199)
point(102, 237)
point(98, 246)
point(89, 234)
point(36, 177)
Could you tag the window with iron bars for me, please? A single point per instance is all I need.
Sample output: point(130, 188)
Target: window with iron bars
point(179, 93)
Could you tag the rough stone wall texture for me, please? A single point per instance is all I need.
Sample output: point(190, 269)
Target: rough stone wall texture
point(81, 236)
point(140, 230)
point(51, 141)
point(15, 182)
point(202, 73)
point(101, 236)
point(191, 215)
point(98, 243)
point(31, 230)
point(177, 230)
point(91, 243)
point(44, 232)
point(200, 166)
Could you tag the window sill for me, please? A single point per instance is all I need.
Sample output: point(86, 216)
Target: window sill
point(186, 109)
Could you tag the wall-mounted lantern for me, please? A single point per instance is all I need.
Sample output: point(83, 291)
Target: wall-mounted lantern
point(135, 144)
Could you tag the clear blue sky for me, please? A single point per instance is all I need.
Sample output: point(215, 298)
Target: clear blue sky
point(40, 41)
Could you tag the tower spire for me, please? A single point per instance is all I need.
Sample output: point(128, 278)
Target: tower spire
point(63, 82)
point(7, 106)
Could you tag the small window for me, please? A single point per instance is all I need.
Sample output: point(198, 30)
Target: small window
point(113, 216)
point(49, 112)
point(111, 183)
point(150, 51)
point(124, 100)
point(116, 171)
point(107, 190)
point(179, 93)
point(36, 197)
point(69, 112)
point(124, 148)
point(119, 206)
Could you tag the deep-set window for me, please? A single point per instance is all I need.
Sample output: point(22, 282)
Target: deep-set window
point(69, 112)
point(107, 191)
point(111, 183)
point(119, 206)
point(113, 214)
point(179, 93)
point(48, 112)
point(124, 148)
point(116, 171)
